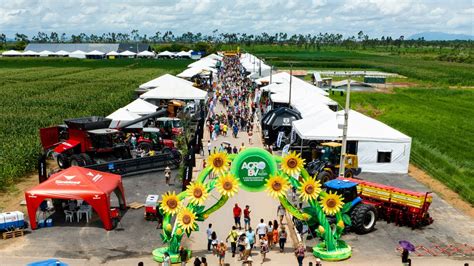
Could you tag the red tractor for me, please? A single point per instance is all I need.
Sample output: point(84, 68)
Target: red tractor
point(88, 140)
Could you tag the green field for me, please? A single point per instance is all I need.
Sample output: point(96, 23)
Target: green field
point(36, 93)
point(437, 117)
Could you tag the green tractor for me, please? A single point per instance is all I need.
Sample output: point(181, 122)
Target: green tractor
point(327, 166)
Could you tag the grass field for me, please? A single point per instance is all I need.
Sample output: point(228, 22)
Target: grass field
point(437, 117)
point(36, 93)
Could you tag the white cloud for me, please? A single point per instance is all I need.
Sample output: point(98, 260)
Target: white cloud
point(374, 17)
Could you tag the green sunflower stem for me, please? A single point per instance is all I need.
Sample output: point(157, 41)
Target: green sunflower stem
point(291, 208)
point(215, 207)
point(204, 174)
point(328, 237)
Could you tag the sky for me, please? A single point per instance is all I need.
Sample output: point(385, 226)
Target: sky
point(375, 17)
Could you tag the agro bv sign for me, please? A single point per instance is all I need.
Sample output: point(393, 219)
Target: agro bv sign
point(252, 167)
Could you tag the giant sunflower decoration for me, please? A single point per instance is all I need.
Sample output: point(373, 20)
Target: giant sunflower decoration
point(292, 164)
point(219, 162)
point(277, 186)
point(310, 189)
point(170, 203)
point(227, 185)
point(197, 193)
point(187, 219)
point(331, 203)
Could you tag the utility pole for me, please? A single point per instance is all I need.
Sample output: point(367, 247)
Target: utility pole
point(271, 72)
point(291, 77)
point(342, 167)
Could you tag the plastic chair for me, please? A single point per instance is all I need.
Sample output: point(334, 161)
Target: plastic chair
point(69, 215)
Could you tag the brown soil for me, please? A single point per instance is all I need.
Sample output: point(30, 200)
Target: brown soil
point(10, 201)
point(443, 191)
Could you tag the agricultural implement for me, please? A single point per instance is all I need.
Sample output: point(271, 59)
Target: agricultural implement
point(400, 206)
point(88, 141)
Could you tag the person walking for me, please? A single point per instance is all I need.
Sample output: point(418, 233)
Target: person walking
point(247, 217)
point(261, 229)
point(166, 259)
point(167, 175)
point(264, 248)
point(281, 211)
point(282, 238)
point(209, 237)
point(183, 255)
point(235, 150)
point(275, 236)
point(270, 234)
point(233, 235)
point(209, 147)
point(221, 250)
point(214, 242)
point(250, 134)
point(250, 234)
point(299, 253)
point(237, 215)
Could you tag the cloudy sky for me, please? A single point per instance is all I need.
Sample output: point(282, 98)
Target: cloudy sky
point(374, 17)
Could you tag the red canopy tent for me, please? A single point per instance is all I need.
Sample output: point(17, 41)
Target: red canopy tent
point(78, 183)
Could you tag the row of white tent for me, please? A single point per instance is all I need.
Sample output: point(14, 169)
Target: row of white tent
point(175, 54)
point(78, 53)
point(165, 87)
point(320, 123)
point(206, 65)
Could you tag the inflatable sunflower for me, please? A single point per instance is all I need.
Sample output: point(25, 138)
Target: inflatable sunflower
point(292, 164)
point(310, 189)
point(170, 203)
point(197, 193)
point(219, 162)
point(331, 203)
point(227, 185)
point(277, 186)
point(187, 219)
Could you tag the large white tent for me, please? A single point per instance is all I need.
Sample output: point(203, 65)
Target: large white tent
point(205, 62)
point(128, 54)
point(30, 53)
point(192, 71)
point(11, 53)
point(141, 107)
point(183, 54)
point(146, 54)
point(45, 53)
point(380, 148)
point(122, 116)
point(166, 54)
point(171, 88)
point(78, 54)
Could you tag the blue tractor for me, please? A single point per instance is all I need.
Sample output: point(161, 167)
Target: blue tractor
point(363, 215)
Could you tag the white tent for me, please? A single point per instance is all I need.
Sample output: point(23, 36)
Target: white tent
point(284, 78)
point(61, 53)
point(380, 148)
point(11, 53)
point(170, 87)
point(128, 54)
point(78, 54)
point(122, 116)
point(112, 53)
point(183, 54)
point(30, 53)
point(166, 54)
point(163, 81)
point(214, 56)
point(146, 54)
point(45, 53)
point(204, 62)
point(141, 107)
point(192, 71)
point(95, 53)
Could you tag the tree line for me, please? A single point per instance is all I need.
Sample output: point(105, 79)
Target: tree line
point(215, 38)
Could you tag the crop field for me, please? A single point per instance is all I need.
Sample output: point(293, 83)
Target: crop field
point(37, 93)
point(437, 116)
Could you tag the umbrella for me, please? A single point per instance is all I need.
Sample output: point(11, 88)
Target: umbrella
point(226, 142)
point(50, 262)
point(406, 245)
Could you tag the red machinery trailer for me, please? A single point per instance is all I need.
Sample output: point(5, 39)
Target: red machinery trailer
point(400, 206)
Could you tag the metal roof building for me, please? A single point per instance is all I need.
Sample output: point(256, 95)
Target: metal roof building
point(87, 47)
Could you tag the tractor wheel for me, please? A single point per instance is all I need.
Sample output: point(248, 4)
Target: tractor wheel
point(348, 173)
point(324, 177)
point(63, 161)
point(363, 217)
point(145, 146)
point(77, 160)
point(166, 150)
point(87, 159)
